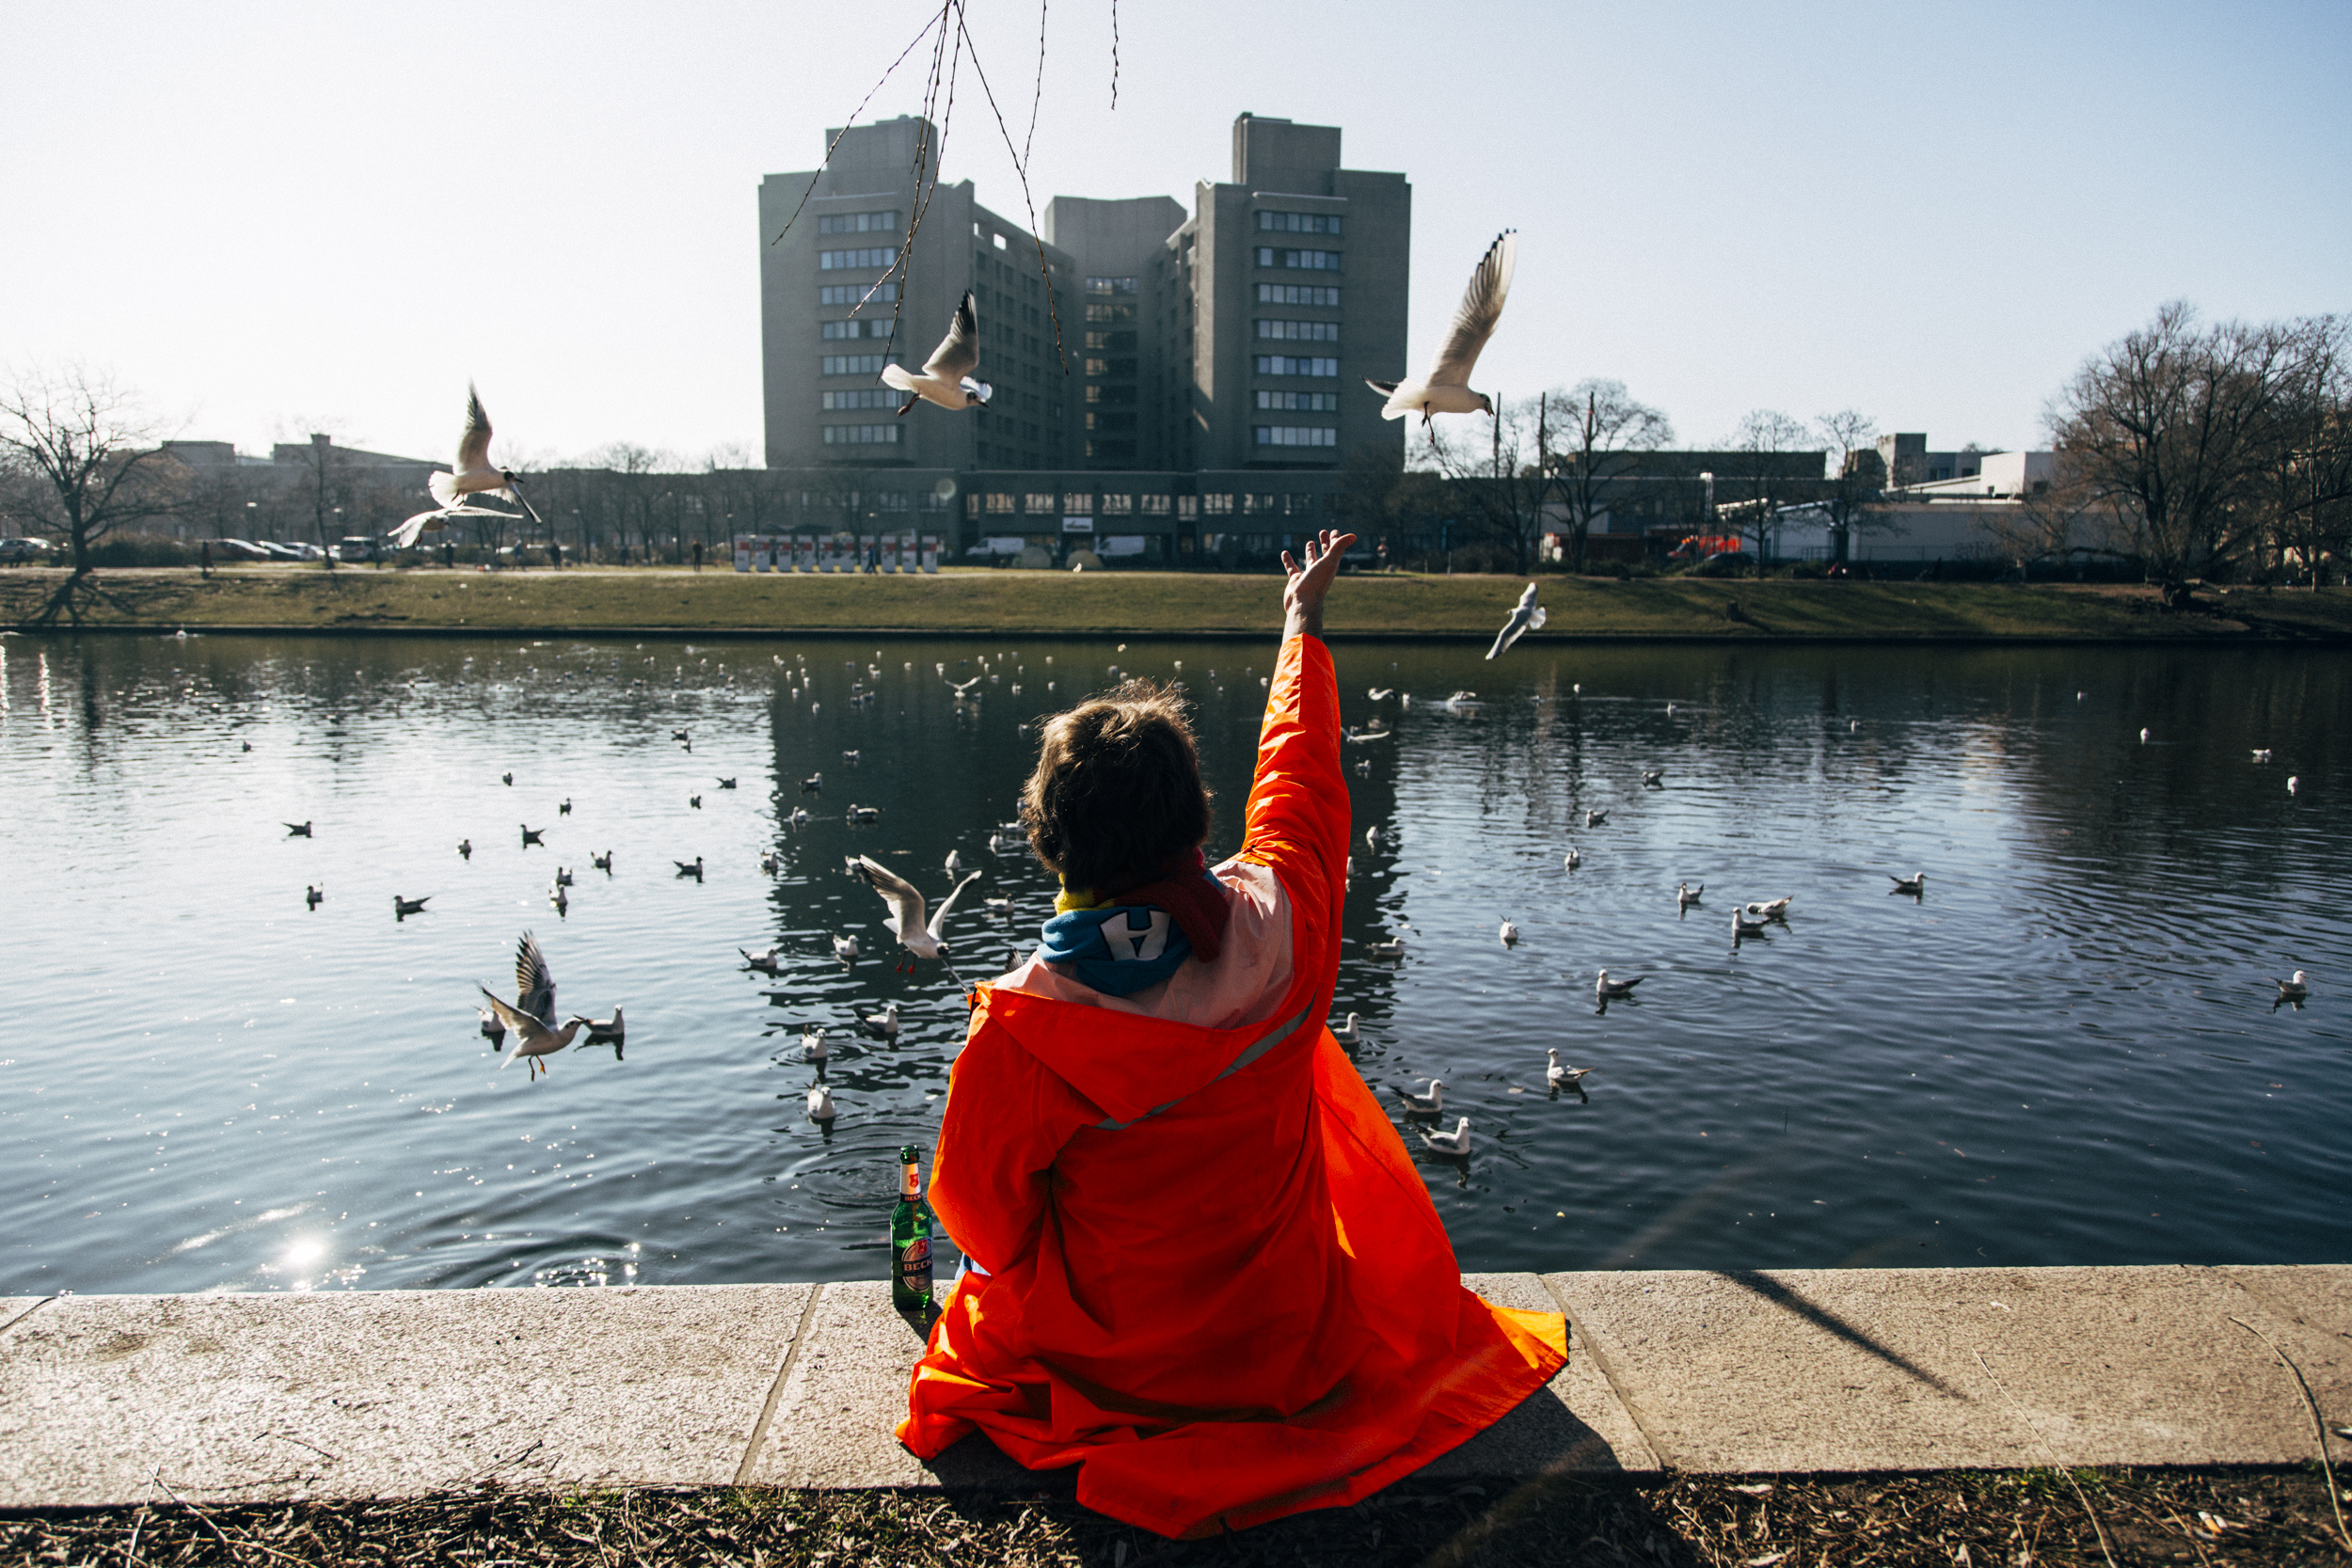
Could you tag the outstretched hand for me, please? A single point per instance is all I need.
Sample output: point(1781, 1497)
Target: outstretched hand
point(1302, 597)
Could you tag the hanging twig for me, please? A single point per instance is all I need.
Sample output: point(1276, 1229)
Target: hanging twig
point(2080, 1496)
point(1037, 94)
point(1019, 167)
point(2319, 1428)
point(850, 123)
point(1114, 56)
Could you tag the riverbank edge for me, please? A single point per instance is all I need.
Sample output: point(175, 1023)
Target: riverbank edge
point(1065, 634)
point(408, 1393)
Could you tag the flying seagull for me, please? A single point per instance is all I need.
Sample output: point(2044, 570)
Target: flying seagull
point(471, 474)
point(1446, 388)
point(1526, 616)
point(532, 1016)
point(905, 920)
point(946, 378)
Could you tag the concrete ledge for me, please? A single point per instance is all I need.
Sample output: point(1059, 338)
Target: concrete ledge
point(396, 1393)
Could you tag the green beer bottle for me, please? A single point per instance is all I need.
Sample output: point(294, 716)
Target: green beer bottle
point(909, 1238)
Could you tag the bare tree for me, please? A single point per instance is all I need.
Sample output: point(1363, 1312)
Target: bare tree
point(89, 463)
point(2307, 478)
point(2170, 431)
point(1501, 480)
point(1857, 475)
point(1748, 504)
point(1596, 437)
point(322, 484)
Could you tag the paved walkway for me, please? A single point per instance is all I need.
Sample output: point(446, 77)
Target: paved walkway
point(389, 1393)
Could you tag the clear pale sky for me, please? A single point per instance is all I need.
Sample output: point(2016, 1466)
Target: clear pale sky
point(274, 218)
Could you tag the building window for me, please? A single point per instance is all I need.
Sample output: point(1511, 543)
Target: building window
point(1187, 507)
point(837, 260)
point(890, 500)
point(1114, 311)
point(1099, 393)
point(1284, 364)
point(1079, 504)
point(876, 223)
point(849, 294)
point(1301, 402)
point(1118, 506)
point(1156, 506)
point(1039, 501)
point(1111, 450)
point(1298, 293)
point(999, 501)
point(1298, 223)
point(1118, 367)
point(855, 329)
point(1298, 435)
point(1109, 421)
point(1111, 342)
point(1304, 332)
point(854, 364)
point(1217, 505)
point(865, 397)
point(862, 435)
point(1309, 261)
point(1110, 285)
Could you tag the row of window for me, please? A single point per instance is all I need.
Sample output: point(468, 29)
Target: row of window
point(1298, 435)
point(1299, 223)
point(870, 223)
point(1078, 503)
point(1304, 332)
point(1110, 285)
point(849, 294)
point(1111, 342)
point(1287, 364)
point(1097, 392)
point(1298, 293)
point(863, 434)
point(1000, 503)
point(866, 397)
point(1113, 311)
point(880, 328)
point(854, 364)
point(1109, 420)
point(1118, 367)
point(1309, 261)
point(1302, 403)
point(840, 261)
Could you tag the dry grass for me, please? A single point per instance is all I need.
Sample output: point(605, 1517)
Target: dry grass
point(1168, 604)
point(2203, 1518)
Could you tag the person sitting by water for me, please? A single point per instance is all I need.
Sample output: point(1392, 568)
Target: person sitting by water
point(1202, 1267)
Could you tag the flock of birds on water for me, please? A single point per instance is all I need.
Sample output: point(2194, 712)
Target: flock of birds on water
point(919, 929)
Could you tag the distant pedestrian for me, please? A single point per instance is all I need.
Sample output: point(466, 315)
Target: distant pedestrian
point(555, 555)
point(205, 565)
point(449, 556)
point(698, 555)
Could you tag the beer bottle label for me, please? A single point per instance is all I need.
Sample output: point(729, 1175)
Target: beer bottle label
point(914, 1265)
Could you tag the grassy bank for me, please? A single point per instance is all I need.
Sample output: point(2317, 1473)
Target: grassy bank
point(1144, 603)
point(2042, 1519)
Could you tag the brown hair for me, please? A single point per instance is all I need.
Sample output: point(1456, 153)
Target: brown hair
point(1118, 788)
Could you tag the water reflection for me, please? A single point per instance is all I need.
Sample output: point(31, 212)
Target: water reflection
point(2069, 1047)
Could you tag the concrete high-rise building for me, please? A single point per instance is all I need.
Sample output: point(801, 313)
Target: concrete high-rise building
point(838, 299)
point(1168, 366)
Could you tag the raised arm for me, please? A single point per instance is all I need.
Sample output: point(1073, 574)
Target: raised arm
point(1297, 819)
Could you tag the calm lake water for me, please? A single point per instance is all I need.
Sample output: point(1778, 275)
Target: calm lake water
point(2065, 1052)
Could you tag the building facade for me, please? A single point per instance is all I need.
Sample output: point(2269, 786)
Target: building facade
point(1139, 355)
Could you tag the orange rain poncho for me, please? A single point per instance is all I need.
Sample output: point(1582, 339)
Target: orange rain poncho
point(1216, 1283)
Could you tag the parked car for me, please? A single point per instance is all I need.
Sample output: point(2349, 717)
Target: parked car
point(356, 547)
point(241, 549)
point(15, 552)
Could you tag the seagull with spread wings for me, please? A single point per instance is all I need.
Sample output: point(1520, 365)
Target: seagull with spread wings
point(946, 377)
point(472, 474)
point(1446, 388)
point(905, 921)
point(1526, 616)
point(531, 1015)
